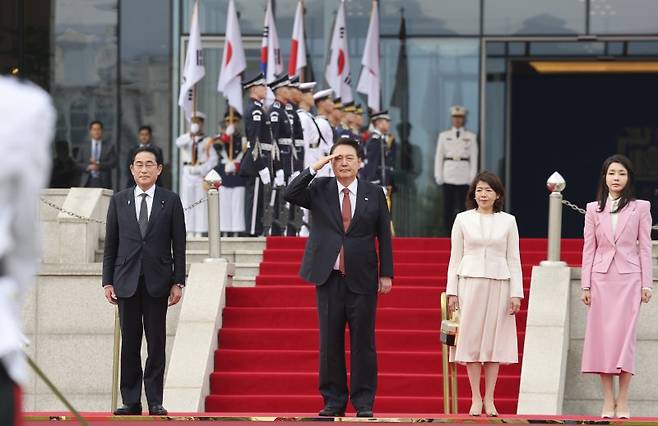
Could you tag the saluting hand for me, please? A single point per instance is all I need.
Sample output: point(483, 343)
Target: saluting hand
point(322, 161)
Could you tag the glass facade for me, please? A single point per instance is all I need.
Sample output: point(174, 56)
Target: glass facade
point(84, 79)
point(119, 61)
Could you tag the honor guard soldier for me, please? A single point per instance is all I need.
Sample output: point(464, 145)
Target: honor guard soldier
point(455, 165)
point(292, 109)
point(325, 107)
point(295, 217)
point(346, 125)
point(197, 159)
point(257, 163)
point(315, 145)
point(282, 128)
point(360, 128)
point(229, 147)
point(336, 117)
point(381, 150)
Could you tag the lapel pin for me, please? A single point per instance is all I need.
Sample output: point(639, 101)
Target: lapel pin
point(365, 198)
point(162, 204)
point(128, 202)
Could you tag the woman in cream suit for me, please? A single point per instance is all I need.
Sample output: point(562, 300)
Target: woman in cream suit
point(616, 277)
point(485, 284)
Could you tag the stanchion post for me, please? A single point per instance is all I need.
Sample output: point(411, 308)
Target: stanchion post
point(453, 388)
point(115, 360)
point(445, 364)
point(555, 185)
point(213, 180)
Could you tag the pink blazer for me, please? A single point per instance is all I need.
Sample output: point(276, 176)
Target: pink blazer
point(629, 247)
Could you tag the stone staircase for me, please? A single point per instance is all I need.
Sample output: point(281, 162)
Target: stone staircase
point(244, 253)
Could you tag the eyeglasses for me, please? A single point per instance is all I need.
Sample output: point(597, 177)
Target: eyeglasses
point(148, 165)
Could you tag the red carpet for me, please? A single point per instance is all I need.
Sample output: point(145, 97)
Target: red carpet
point(268, 347)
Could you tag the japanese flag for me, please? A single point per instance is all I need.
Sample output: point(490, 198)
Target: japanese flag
point(338, 68)
point(233, 61)
point(297, 45)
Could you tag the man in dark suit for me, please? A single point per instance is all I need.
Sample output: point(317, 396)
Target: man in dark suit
point(341, 260)
point(145, 224)
point(96, 159)
point(145, 138)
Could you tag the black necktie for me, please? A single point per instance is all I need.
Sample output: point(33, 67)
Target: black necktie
point(457, 134)
point(143, 214)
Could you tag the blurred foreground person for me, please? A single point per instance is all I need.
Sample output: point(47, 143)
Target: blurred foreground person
point(26, 132)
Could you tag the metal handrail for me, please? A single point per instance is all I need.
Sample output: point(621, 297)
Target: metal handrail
point(449, 370)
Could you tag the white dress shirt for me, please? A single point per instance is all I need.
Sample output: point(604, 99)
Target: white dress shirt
point(96, 146)
point(614, 215)
point(149, 200)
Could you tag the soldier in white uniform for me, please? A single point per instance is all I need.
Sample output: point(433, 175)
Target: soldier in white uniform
point(197, 158)
point(325, 107)
point(455, 165)
point(26, 132)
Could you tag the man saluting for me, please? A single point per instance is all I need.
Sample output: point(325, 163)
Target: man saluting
point(341, 260)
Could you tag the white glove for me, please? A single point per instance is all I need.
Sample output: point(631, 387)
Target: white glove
point(293, 176)
point(438, 181)
point(279, 179)
point(265, 176)
point(229, 167)
point(230, 130)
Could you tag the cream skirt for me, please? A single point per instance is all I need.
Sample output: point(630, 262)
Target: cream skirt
point(487, 333)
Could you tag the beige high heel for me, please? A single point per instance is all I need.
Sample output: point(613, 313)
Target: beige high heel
point(609, 414)
point(490, 409)
point(476, 409)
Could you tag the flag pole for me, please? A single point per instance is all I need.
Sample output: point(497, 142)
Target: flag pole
point(230, 138)
point(302, 72)
point(195, 155)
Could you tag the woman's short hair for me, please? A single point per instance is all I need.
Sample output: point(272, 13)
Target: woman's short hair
point(494, 182)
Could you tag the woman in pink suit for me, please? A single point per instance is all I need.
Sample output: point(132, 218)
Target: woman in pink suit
point(616, 277)
point(485, 284)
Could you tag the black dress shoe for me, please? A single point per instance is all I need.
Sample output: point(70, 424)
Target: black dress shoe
point(364, 413)
point(129, 410)
point(157, 410)
point(332, 412)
